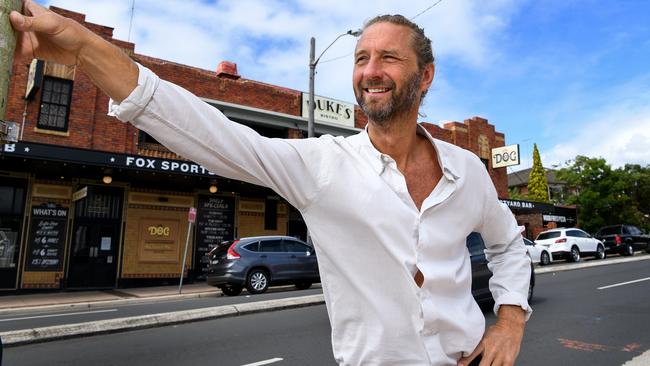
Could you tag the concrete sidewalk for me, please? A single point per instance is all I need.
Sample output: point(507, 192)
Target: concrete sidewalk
point(80, 299)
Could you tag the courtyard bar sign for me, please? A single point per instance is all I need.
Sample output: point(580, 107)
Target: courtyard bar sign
point(329, 110)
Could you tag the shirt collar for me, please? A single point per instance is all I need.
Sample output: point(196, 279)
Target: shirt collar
point(379, 160)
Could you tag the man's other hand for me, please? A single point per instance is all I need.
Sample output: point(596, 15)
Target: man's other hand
point(501, 342)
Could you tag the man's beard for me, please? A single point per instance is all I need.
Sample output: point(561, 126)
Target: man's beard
point(399, 103)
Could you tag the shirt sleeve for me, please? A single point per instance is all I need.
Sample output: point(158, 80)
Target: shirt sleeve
point(197, 131)
point(505, 252)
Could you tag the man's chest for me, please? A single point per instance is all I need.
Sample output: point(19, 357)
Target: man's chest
point(421, 180)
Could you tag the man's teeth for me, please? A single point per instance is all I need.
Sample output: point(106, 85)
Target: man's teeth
point(377, 90)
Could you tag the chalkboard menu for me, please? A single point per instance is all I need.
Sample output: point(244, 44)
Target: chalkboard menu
point(46, 238)
point(215, 222)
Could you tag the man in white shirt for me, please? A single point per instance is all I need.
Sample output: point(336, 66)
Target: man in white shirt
point(389, 209)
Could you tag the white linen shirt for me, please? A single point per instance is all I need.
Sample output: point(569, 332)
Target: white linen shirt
point(369, 236)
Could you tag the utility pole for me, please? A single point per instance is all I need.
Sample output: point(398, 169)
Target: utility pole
point(7, 47)
point(312, 75)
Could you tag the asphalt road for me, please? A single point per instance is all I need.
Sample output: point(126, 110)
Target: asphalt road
point(574, 323)
point(34, 319)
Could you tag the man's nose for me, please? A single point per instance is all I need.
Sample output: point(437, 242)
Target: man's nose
point(373, 69)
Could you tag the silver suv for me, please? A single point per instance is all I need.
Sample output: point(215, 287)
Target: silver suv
point(262, 261)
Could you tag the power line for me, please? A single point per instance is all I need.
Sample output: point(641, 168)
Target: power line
point(131, 21)
point(427, 9)
point(336, 58)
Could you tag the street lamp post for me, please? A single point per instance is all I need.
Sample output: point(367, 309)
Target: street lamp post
point(312, 75)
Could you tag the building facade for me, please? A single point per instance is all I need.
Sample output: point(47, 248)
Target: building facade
point(89, 202)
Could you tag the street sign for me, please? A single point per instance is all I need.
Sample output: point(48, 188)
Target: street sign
point(191, 216)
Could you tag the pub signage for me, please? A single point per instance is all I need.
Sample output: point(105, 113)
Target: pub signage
point(540, 207)
point(164, 165)
point(329, 110)
point(215, 223)
point(519, 204)
point(81, 156)
point(505, 156)
point(46, 238)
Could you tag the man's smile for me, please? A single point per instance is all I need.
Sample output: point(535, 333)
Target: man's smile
point(376, 90)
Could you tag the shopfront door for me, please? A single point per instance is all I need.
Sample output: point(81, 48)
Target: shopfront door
point(12, 205)
point(96, 239)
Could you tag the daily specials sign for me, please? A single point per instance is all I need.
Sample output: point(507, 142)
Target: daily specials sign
point(46, 238)
point(215, 223)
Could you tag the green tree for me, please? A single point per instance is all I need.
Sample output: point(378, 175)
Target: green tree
point(515, 194)
point(537, 184)
point(607, 196)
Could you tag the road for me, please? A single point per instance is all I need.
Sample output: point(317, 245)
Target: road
point(575, 323)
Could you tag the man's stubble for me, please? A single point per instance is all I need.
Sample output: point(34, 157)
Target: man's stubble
point(400, 103)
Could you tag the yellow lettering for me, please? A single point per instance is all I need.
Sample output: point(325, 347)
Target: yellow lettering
point(159, 230)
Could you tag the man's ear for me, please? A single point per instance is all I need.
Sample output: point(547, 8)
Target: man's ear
point(427, 77)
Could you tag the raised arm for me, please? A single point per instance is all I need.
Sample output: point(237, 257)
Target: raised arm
point(46, 35)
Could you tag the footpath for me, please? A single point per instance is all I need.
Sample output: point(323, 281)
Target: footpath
point(79, 300)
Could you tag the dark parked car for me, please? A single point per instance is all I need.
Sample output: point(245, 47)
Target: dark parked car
point(259, 262)
point(623, 239)
point(480, 272)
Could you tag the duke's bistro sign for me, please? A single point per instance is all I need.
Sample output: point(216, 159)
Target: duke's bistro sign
point(329, 110)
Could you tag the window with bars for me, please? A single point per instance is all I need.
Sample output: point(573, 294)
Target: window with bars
point(55, 104)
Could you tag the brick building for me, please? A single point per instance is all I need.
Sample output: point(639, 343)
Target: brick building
point(86, 201)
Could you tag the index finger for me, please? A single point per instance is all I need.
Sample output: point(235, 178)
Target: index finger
point(465, 361)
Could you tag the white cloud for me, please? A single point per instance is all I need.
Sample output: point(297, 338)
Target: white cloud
point(618, 130)
point(269, 40)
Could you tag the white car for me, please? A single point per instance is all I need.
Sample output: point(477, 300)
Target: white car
point(570, 244)
point(537, 253)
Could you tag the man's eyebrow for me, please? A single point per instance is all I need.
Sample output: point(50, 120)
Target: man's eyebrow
point(390, 52)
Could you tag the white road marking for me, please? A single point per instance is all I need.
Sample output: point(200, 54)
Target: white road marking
point(56, 315)
point(265, 362)
point(624, 283)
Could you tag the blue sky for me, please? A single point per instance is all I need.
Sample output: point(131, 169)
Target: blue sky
point(572, 76)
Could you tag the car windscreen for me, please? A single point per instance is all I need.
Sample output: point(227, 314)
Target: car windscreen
point(613, 230)
point(549, 235)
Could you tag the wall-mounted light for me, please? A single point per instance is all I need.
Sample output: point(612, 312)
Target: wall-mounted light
point(108, 179)
point(213, 186)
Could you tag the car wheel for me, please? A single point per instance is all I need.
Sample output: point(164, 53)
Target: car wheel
point(303, 285)
point(647, 249)
point(544, 259)
point(257, 282)
point(575, 255)
point(231, 290)
point(600, 252)
point(629, 250)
